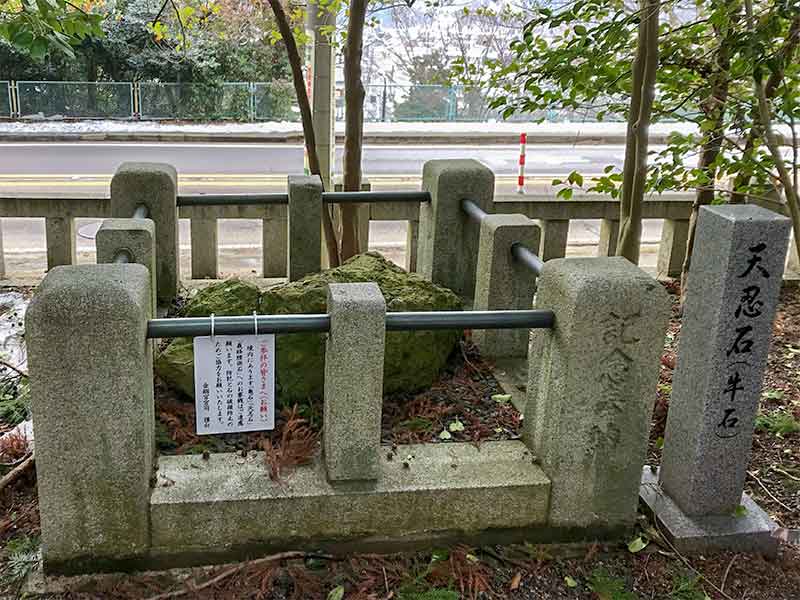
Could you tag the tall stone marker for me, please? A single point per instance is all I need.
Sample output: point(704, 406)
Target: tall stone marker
point(734, 282)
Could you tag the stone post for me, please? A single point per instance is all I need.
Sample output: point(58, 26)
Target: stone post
point(448, 239)
point(554, 239)
point(609, 235)
point(793, 263)
point(203, 230)
point(354, 355)
point(155, 185)
point(135, 236)
point(274, 239)
point(412, 241)
point(60, 238)
point(672, 249)
point(91, 373)
point(592, 387)
point(504, 283)
point(732, 295)
point(305, 226)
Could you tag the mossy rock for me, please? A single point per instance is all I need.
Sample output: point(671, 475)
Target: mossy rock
point(413, 359)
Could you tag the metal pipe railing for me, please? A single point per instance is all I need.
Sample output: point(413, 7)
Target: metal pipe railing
point(281, 198)
point(526, 256)
point(141, 212)
point(475, 212)
point(397, 321)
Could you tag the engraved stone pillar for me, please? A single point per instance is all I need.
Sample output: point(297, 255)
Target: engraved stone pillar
point(274, 247)
point(593, 385)
point(354, 355)
point(204, 246)
point(448, 238)
point(412, 241)
point(732, 296)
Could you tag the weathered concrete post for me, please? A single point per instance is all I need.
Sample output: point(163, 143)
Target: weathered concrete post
point(554, 238)
point(274, 236)
point(354, 357)
point(448, 239)
point(135, 236)
point(91, 373)
point(156, 186)
point(592, 387)
point(305, 226)
point(732, 295)
point(502, 282)
point(672, 249)
point(412, 243)
point(203, 229)
point(609, 234)
point(60, 238)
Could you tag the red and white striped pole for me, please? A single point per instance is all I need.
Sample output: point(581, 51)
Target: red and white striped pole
point(523, 140)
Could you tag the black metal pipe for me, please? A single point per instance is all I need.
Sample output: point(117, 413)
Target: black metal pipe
point(232, 199)
point(474, 319)
point(123, 257)
point(280, 198)
point(524, 255)
point(397, 321)
point(475, 212)
point(370, 197)
point(141, 212)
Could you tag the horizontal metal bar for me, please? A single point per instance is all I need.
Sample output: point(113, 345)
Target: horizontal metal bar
point(232, 199)
point(141, 212)
point(198, 326)
point(280, 198)
point(524, 255)
point(475, 212)
point(397, 321)
point(371, 197)
point(473, 319)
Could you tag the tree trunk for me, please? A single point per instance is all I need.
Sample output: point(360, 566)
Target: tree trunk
point(765, 119)
point(715, 107)
point(305, 116)
point(784, 57)
point(635, 169)
point(353, 123)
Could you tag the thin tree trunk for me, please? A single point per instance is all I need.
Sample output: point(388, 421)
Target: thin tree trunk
point(784, 57)
point(353, 123)
point(635, 170)
point(765, 117)
point(716, 105)
point(305, 116)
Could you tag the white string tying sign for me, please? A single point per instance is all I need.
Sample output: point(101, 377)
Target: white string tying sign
point(234, 382)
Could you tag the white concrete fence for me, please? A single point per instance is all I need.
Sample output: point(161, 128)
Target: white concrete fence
point(107, 502)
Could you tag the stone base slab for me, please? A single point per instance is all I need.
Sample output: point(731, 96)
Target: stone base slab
point(692, 534)
point(228, 506)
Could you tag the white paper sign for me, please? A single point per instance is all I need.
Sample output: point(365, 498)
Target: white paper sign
point(234, 383)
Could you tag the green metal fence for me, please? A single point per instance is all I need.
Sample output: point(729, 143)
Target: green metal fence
point(275, 101)
point(75, 99)
point(196, 101)
point(5, 99)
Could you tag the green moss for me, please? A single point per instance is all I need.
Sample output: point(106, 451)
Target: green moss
point(413, 359)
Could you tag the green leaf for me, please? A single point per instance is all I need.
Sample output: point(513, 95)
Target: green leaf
point(637, 545)
point(456, 426)
point(501, 398)
point(565, 193)
point(445, 435)
point(739, 512)
point(336, 593)
point(570, 582)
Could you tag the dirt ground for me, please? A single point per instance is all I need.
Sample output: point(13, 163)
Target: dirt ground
point(467, 405)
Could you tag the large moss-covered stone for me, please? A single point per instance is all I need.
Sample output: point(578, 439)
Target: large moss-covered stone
point(413, 358)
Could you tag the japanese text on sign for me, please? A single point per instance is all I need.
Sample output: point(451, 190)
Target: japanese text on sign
point(234, 382)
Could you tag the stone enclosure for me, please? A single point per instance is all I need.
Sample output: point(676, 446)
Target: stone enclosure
point(109, 503)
